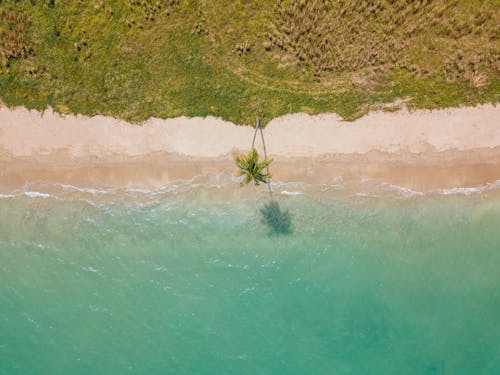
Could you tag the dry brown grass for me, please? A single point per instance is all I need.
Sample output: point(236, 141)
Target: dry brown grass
point(12, 35)
point(149, 9)
point(451, 38)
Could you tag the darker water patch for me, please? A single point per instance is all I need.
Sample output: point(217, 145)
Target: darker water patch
point(276, 219)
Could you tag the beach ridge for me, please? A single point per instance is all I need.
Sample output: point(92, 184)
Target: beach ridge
point(422, 148)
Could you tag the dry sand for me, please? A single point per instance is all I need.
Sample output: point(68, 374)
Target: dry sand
point(423, 150)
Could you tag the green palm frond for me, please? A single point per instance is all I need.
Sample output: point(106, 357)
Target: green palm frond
point(253, 169)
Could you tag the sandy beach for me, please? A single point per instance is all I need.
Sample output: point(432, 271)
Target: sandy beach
point(422, 150)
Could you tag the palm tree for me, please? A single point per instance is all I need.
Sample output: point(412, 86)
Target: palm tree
point(253, 169)
point(249, 166)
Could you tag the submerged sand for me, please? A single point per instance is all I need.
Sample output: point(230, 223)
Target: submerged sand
point(423, 150)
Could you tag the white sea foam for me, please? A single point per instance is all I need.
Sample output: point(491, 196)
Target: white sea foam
point(471, 189)
point(461, 190)
point(37, 194)
point(367, 188)
point(87, 190)
point(141, 191)
point(401, 190)
point(387, 187)
point(290, 185)
point(286, 192)
point(363, 194)
point(90, 269)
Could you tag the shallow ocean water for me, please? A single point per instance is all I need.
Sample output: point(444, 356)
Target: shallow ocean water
point(189, 281)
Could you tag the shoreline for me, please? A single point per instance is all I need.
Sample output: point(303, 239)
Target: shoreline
point(421, 150)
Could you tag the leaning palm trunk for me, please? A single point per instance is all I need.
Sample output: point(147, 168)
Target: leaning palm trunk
point(259, 129)
point(265, 158)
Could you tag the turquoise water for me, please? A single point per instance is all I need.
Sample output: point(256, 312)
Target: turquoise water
point(191, 282)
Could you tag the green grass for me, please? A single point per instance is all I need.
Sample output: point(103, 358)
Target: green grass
point(104, 57)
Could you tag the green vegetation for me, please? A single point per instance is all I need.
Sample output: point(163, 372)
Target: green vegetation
point(239, 58)
point(253, 169)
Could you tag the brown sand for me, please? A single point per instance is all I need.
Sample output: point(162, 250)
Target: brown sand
point(422, 150)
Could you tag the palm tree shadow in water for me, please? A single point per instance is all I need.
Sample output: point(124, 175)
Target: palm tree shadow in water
point(278, 221)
